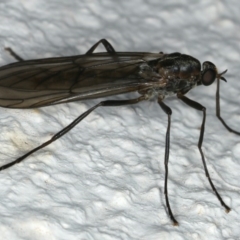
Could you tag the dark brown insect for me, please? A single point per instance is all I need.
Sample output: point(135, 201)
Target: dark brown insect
point(44, 82)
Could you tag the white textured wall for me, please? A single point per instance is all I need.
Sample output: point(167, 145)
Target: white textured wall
point(104, 180)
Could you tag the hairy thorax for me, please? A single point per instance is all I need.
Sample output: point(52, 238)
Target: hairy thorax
point(174, 73)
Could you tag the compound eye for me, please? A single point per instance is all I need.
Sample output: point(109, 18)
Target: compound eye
point(208, 76)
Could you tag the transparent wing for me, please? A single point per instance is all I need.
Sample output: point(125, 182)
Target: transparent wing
point(42, 82)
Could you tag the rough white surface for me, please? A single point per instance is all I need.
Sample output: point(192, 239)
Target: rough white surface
point(104, 180)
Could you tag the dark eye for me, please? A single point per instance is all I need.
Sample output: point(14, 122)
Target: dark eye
point(208, 76)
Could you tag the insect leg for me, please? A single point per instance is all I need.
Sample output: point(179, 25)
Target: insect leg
point(199, 107)
point(218, 110)
point(168, 111)
point(16, 56)
point(109, 48)
point(72, 125)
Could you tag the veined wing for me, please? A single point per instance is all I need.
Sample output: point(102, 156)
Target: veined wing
point(42, 82)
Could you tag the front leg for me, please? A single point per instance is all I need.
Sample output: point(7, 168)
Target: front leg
point(199, 107)
point(218, 112)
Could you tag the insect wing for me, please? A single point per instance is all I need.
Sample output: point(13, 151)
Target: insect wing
point(37, 83)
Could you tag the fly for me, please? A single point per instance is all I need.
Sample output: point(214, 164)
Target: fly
point(45, 82)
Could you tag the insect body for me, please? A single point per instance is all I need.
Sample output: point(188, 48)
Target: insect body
point(44, 82)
